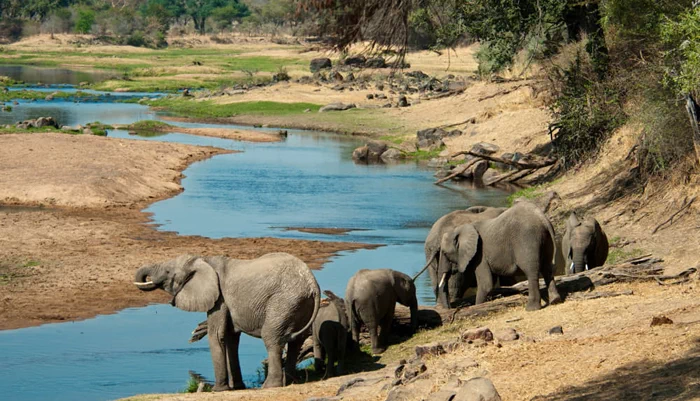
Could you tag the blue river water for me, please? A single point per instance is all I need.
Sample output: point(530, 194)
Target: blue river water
point(308, 180)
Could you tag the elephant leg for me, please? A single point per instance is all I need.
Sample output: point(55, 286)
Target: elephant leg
point(484, 280)
point(318, 356)
point(355, 329)
point(374, 337)
point(290, 364)
point(218, 345)
point(548, 273)
point(342, 347)
point(533, 288)
point(384, 330)
point(332, 357)
point(274, 365)
point(232, 341)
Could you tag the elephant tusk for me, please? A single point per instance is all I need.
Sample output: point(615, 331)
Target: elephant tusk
point(586, 266)
point(442, 280)
point(146, 284)
point(572, 267)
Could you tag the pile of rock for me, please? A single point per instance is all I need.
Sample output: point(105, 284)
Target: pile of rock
point(376, 152)
point(40, 122)
point(431, 138)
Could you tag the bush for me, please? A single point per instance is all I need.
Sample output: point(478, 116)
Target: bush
point(10, 29)
point(85, 20)
point(585, 111)
point(60, 21)
point(136, 39)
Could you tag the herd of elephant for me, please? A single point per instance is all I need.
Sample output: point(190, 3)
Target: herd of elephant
point(276, 297)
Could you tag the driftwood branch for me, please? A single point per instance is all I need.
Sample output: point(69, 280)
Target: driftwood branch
point(458, 171)
point(501, 92)
point(685, 206)
point(470, 120)
point(503, 177)
point(519, 164)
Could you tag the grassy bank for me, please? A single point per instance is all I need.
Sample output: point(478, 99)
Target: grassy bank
point(208, 109)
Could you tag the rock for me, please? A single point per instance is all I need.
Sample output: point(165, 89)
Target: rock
point(350, 77)
point(403, 102)
point(450, 346)
point(318, 64)
point(476, 171)
point(477, 389)
point(376, 62)
point(485, 148)
point(392, 154)
point(386, 106)
point(7, 108)
point(380, 96)
point(418, 75)
point(412, 370)
point(323, 399)
point(478, 333)
point(355, 60)
point(507, 335)
point(45, 122)
point(434, 135)
point(375, 150)
point(87, 131)
point(442, 395)
point(490, 175)
point(84, 83)
point(186, 93)
point(433, 349)
point(370, 96)
point(348, 384)
point(49, 97)
point(307, 110)
point(336, 76)
point(436, 162)
point(660, 320)
point(360, 154)
point(336, 107)
point(16, 103)
point(556, 330)
point(283, 133)
point(380, 87)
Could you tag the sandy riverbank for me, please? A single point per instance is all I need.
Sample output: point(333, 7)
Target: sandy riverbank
point(72, 254)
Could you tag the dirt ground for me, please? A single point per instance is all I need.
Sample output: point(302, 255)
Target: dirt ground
point(72, 254)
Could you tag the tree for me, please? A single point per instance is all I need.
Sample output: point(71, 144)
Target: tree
point(200, 10)
point(86, 18)
point(224, 16)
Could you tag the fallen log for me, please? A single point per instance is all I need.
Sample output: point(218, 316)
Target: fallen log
point(512, 176)
point(458, 171)
point(522, 165)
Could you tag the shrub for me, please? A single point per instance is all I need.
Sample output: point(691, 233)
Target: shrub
point(585, 111)
point(136, 39)
point(85, 20)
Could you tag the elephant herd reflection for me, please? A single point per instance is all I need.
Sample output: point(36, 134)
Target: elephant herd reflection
point(276, 297)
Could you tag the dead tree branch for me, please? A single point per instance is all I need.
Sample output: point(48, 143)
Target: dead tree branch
point(685, 206)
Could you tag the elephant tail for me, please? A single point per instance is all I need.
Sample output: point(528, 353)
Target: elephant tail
point(317, 305)
point(550, 228)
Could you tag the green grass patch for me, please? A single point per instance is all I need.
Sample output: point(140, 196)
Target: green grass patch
point(193, 384)
point(31, 263)
point(393, 139)
point(209, 109)
point(424, 154)
point(149, 125)
point(37, 95)
point(617, 255)
point(527, 193)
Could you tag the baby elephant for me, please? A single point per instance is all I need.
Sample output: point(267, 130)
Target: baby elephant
point(371, 297)
point(584, 244)
point(330, 334)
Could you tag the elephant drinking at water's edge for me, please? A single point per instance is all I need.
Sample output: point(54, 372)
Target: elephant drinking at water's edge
point(274, 297)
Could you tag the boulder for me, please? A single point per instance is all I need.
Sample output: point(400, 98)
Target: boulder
point(392, 154)
point(370, 96)
point(336, 76)
point(485, 148)
point(336, 107)
point(319, 64)
point(403, 102)
point(360, 154)
point(430, 136)
point(477, 389)
point(87, 131)
point(45, 122)
point(478, 333)
point(556, 330)
point(375, 150)
point(420, 75)
point(350, 77)
point(376, 62)
point(490, 175)
point(355, 60)
point(436, 162)
point(433, 349)
point(476, 171)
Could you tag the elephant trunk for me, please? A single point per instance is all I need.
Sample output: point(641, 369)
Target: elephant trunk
point(579, 262)
point(147, 272)
point(442, 289)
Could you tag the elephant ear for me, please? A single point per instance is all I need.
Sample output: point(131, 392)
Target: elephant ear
point(572, 222)
point(200, 292)
point(468, 240)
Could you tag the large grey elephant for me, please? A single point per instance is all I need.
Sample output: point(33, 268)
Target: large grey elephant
point(371, 297)
point(330, 334)
point(458, 282)
point(521, 238)
point(274, 297)
point(584, 244)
